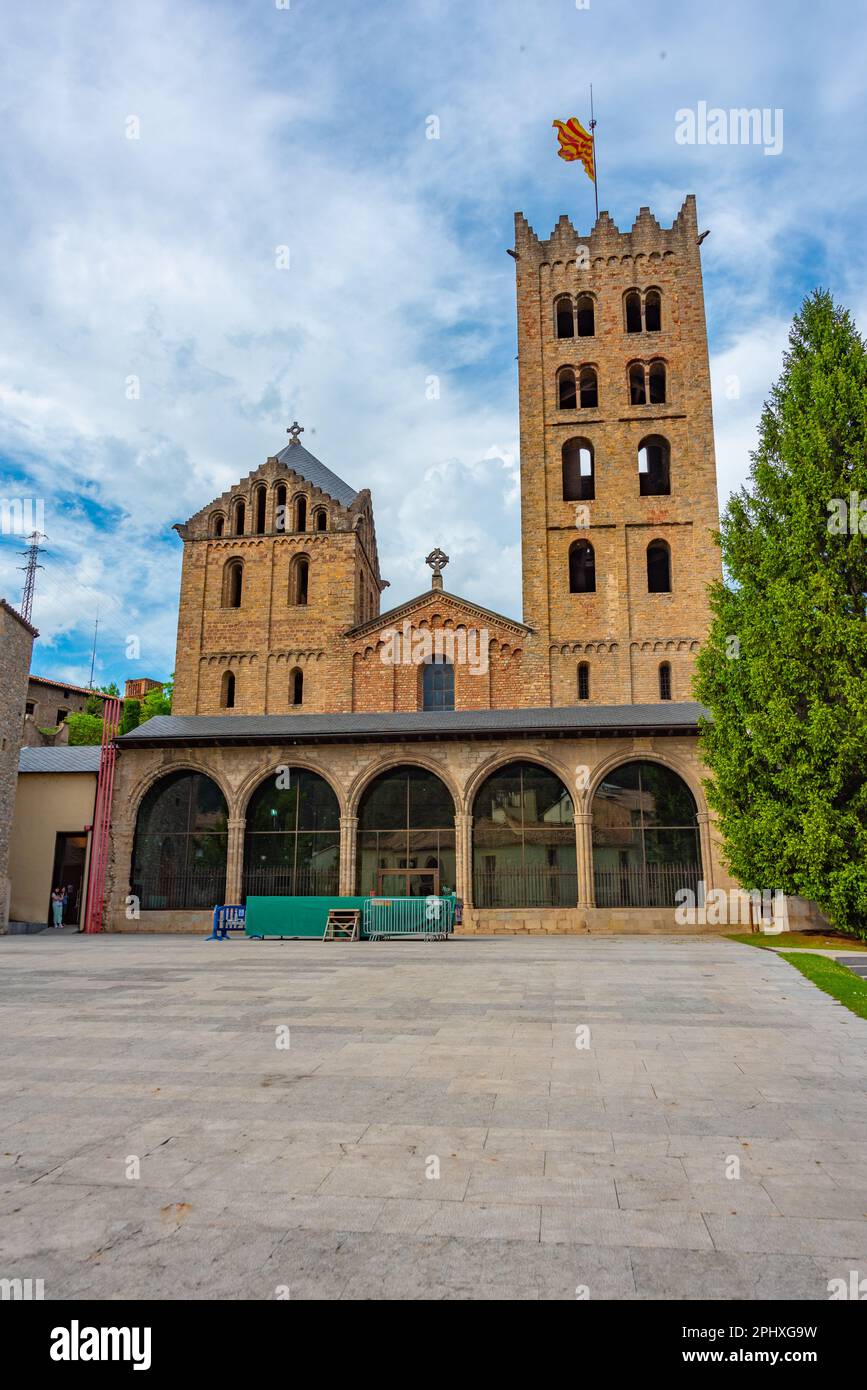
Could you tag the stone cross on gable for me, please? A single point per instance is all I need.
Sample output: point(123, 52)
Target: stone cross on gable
point(293, 431)
point(437, 561)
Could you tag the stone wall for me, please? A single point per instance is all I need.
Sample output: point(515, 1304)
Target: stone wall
point(16, 644)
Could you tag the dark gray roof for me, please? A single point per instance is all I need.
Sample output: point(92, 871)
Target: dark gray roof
point(558, 722)
point(62, 758)
point(295, 456)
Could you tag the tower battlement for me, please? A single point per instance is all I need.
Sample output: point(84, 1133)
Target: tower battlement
point(645, 238)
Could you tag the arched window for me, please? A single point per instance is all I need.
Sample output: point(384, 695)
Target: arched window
point(406, 835)
point(227, 690)
point(218, 524)
point(637, 391)
point(654, 471)
point(578, 471)
point(589, 388)
point(584, 316)
point(239, 515)
point(582, 568)
point(652, 311)
point(233, 583)
point(645, 837)
point(438, 684)
point(179, 851)
point(583, 680)
point(301, 514)
point(296, 686)
point(299, 580)
point(664, 681)
point(260, 498)
point(524, 840)
point(658, 568)
point(656, 381)
point(280, 507)
point(632, 311)
point(320, 519)
point(292, 842)
point(566, 391)
point(564, 317)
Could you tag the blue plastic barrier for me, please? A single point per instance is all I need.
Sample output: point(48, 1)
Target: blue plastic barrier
point(227, 918)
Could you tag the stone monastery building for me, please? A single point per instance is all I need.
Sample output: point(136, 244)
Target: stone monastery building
point(546, 768)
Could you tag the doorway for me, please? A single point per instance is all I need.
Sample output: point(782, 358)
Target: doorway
point(70, 853)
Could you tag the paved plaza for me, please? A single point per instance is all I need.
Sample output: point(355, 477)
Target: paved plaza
point(431, 1130)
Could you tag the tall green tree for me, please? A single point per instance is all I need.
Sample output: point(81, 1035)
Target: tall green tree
point(158, 701)
point(784, 670)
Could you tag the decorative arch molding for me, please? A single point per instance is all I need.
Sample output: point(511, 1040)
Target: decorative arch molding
point(230, 659)
point(363, 779)
point(140, 788)
point(674, 764)
point(295, 658)
point(521, 755)
point(241, 799)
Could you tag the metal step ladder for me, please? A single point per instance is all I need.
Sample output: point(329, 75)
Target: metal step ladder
point(343, 924)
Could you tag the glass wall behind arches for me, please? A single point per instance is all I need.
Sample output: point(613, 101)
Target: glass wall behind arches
point(292, 838)
point(524, 840)
point(406, 835)
point(179, 849)
point(646, 844)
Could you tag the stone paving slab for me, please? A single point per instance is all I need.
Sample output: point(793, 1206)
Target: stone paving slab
point(431, 1131)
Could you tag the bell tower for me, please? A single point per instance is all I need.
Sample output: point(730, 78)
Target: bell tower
point(618, 477)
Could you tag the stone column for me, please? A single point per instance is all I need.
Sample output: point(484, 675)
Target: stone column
point(464, 857)
point(118, 875)
point(584, 851)
point(348, 855)
point(235, 859)
point(706, 849)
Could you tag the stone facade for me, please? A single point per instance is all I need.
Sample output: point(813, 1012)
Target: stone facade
point(16, 644)
point(46, 699)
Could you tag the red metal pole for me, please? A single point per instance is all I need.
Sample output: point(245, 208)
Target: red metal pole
point(99, 841)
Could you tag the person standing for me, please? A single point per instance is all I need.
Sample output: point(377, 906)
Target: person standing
point(57, 907)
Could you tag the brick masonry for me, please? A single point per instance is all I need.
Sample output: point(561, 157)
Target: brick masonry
point(16, 644)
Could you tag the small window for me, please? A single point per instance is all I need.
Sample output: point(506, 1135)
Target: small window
point(227, 690)
point(233, 584)
point(261, 499)
point(658, 568)
point(632, 310)
point(301, 514)
point(583, 681)
point(652, 311)
point(564, 318)
point(61, 715)
point(280, 507)
point(299, 580)
point(584, 317)
point(665, 681)
point(582, 568)
point(239, 517)
point(567, 395)
point(589, 389)
point(578, 471)
point(637, 393)
point(656, 380)
point(296, 687)
point(218, 525)
point(438, 684)
point(320, 520)
point(654, 472)
point(29, 707)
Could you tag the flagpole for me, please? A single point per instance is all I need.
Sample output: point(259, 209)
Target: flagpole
point(595, 166)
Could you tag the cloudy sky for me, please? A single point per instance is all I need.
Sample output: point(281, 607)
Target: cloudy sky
point(264, 124)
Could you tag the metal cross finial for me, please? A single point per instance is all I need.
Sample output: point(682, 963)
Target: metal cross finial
point(294, 430)
point(437, 560)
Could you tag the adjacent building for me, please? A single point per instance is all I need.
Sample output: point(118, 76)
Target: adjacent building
point(16, 645)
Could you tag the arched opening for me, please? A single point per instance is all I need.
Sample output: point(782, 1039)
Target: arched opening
point(658, 568)
point(589, 389)
point(233, 583)
point(239, 517)
point(584, 316)
point(566, 390)
point(664, 681)
point(582, 568)
point(292, 840)
point(406, 835)
point(524, 840)
point(652, 311)
point(583, 680)
point(564, 317)
point(179, 849)
point(578, 483)
point(438, 684)
point(299, 580)
point(260, 500)
point(218, 524)
point(320, 519)
point(301, 514)
point(280, 507)
point(632, 311)
point(637, 391)
point(227, 690)
point(296, 686)
point(654, 467)
point(656, 381)
point(645, 837)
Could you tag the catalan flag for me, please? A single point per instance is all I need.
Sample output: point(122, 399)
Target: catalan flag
point(576, 143)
